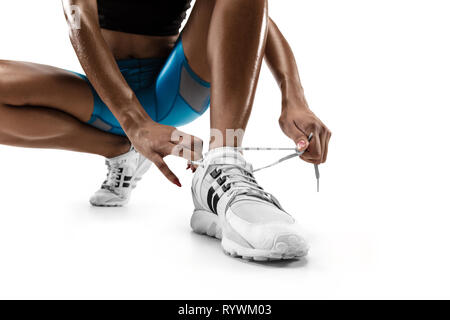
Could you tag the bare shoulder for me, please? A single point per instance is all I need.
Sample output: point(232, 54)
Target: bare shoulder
point(79, 6)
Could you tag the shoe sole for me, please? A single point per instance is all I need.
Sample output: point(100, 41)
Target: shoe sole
point(108, 205)
point(285, 247)
point(142, 168)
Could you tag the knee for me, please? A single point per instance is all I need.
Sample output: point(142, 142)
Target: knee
point(3, 76)
point(6, 72)
point(6, 79)
point(7, 139)
point(11, 81)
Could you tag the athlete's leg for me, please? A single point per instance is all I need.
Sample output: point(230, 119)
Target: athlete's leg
point(46, 107)
point(224, 42)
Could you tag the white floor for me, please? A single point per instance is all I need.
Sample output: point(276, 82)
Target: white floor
point(54, 245)
point(377, 73)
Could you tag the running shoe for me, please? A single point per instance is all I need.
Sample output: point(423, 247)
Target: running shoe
point(124, 172)
point(230, 205)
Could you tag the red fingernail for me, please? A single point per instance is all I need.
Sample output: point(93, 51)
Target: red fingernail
point(177, 182)
point(301, 144)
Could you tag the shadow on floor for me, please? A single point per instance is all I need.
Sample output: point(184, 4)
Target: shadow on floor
point(110, 213)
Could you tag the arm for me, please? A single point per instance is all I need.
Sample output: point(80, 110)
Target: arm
point(297, 121)
point(100, 66)
point(153, 140)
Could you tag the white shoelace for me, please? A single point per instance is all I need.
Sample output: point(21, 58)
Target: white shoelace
point(290, 156)
point(112, 175)
point(293, 155)
point(243, 183)
point(297, 153)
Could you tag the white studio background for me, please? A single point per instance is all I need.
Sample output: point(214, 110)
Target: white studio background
point(376, 72)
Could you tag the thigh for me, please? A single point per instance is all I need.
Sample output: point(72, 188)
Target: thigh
point(31, 84)
point(179, 95)
point(195, 37)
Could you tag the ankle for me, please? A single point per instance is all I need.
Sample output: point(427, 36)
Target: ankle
point(223, 138)
point(222, 144)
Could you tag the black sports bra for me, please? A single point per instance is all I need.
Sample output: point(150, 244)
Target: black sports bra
point(147, 17)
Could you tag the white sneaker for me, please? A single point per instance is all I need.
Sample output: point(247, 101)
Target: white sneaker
point(124, 172)
point(230, 205)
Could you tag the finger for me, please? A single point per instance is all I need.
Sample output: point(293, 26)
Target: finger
point(325, 154)
point(300, 138)
point(182, 152)
point(302, 143)
point(192, 167)
point(323, 145)
point(188, 154)
point(162, 166)
point(189, 141)
point(313, 154)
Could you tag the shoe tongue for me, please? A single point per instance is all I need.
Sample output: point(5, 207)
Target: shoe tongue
point(226, 155)
point(230, 156)
point(116, 162)
point(121, 157)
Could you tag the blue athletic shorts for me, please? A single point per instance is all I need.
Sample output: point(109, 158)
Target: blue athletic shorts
point(168, 89)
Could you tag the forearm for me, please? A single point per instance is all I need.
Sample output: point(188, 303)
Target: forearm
point(101, 68)
point(281, 61)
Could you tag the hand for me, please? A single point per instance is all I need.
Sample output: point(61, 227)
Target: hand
point(155, 141)
point(297, 121)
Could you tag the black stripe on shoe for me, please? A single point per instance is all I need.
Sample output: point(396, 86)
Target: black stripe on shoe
point(215, 202)
point(209, 198)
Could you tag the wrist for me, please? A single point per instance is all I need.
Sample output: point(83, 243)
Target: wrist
point(294, 101)
point(132, 118)
point(128, 111)
point(293, 95)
